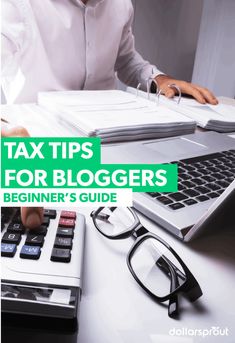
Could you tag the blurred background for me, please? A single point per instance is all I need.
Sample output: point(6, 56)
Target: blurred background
point(193, 40)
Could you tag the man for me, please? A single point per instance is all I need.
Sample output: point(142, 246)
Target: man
point(71, 45)
point(75, 44)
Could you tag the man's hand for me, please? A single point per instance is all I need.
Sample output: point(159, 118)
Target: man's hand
point(31, 216)
point(201, 94)
point(14, 132)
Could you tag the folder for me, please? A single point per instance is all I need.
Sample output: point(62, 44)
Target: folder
point(114, 115)
point(220, 118)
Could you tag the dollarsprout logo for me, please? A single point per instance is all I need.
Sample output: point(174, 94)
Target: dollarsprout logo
point(213, 331)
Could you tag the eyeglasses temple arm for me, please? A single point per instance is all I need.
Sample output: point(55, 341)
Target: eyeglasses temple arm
point(167, 268)
point(192, 290)
point(173, 306)
point(178, 272)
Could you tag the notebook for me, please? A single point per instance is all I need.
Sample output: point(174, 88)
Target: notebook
point(220, 118)
point(114, 115)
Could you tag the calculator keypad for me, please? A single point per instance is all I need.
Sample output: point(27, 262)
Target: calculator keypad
point(43, 267)
point(34, 240)
point(61, 255)
point(68, 223)
point(50, 213)
point(16, 228)
point(13, 238)
point(42, 230)
point(61, 242)
point(8, 250)
point(63, 232)
point(64, 237)
point(46, 221)
point(68, 214)
point(30, 252)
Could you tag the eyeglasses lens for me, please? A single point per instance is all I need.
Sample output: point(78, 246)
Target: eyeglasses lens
point(115, 220)
point(155, 266)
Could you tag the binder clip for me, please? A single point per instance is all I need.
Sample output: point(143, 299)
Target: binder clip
point(137, 89)
point(158, 92)
point(173, 85)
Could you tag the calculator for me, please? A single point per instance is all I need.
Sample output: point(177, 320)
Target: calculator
point(42, 268)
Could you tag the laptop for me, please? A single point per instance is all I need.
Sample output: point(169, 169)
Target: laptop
point(206, 180)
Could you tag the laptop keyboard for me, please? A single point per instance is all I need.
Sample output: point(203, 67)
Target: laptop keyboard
point(199, 179)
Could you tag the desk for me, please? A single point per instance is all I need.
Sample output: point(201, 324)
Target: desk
point(114, 309)
point(114, 306)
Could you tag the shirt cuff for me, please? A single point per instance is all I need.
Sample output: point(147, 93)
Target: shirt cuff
point(147, 72)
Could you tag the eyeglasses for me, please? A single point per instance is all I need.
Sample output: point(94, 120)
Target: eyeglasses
point(156, 267)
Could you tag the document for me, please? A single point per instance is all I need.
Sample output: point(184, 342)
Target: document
point(115, 115)
point(219, 117)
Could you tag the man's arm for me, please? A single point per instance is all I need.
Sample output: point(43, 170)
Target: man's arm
point(132, 69)
point(31, 216)
point(16, 35)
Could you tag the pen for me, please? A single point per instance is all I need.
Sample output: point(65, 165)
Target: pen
point(6, 125)
point(4, 120)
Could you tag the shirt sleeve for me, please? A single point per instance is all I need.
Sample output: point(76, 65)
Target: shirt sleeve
point(130, 66)
point(16, 35)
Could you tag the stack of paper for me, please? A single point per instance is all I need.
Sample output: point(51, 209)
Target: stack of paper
point(115, 115)
point(219, 117)
point(38, 121)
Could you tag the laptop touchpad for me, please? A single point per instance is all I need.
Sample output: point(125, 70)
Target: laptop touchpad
point(176, 147)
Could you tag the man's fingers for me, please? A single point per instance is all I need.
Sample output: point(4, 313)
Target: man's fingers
point(210, 98)
point(201, 94)
point(32, 217)
point(169, 92)
point(195, 93)
point(187, 88)
point(15, 132)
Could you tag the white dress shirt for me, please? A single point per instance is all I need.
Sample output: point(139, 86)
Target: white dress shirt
point(66, 45)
